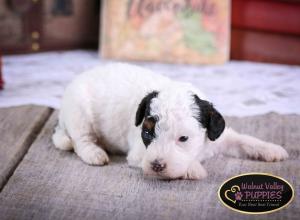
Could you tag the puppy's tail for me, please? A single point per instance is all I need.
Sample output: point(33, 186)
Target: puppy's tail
point(61, 140)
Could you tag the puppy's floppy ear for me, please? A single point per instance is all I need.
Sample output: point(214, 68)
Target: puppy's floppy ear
point(144, 107)
point(210, 118)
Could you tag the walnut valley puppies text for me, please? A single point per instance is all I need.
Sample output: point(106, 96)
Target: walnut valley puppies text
point(261, 191)
point(256, 193)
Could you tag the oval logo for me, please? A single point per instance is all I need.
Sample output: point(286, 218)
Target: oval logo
point(256, 193)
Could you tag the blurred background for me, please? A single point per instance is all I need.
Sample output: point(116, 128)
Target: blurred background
point(261, 30)
point(45, 43)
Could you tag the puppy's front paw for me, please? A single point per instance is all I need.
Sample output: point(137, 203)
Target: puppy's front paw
point(93, 155)
point(195, 172)
point(134, 161)
point(135, 157)
point(271, 153)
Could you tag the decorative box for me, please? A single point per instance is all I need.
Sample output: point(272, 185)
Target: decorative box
point(266, 31)
point(39, 25)
point(179, 31)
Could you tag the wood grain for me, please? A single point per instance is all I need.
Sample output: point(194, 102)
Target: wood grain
point(53, 184)
point(265, 47)
point(18, 128)
point(265, 15)
point(77, 29)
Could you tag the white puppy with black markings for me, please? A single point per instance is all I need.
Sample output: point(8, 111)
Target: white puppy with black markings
point(166, 127)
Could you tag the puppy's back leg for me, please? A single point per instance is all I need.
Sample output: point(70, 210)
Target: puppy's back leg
point(83, 137)
point(86, 148)
point(240, 145)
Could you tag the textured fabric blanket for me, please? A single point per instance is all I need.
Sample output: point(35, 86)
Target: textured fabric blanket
point(52, 184)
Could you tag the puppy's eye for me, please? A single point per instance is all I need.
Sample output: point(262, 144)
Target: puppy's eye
point(183, 138)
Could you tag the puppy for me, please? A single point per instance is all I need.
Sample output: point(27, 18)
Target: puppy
point(165, 127)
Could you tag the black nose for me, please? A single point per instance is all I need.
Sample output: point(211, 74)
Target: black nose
point(157, 166)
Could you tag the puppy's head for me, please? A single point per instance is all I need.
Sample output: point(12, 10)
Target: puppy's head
point(174, 127)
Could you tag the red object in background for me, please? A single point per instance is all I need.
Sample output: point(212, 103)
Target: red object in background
point(266, 30)
point(1, 79)
point(265, 47)
point(267, 15)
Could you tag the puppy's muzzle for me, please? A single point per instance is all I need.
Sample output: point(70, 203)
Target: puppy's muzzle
point(158, 166)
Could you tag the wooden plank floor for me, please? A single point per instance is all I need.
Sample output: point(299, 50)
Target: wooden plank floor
point(52, 184)
point(19, 127)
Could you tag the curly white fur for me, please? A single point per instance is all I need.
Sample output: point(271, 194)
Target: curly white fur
point(98, 115)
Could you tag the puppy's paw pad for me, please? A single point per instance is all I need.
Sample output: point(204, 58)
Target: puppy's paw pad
point(94, 156)
point(195, 172)
point(272, 153)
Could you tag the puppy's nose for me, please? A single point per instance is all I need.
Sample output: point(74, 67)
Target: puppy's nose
point(157, 166)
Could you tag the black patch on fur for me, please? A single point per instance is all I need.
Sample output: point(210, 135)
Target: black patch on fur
point(143, 110)
point(148, 130)
point(209, 118)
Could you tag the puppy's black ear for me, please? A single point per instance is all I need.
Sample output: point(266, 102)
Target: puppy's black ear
point(144, 107)
point(209, 118)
